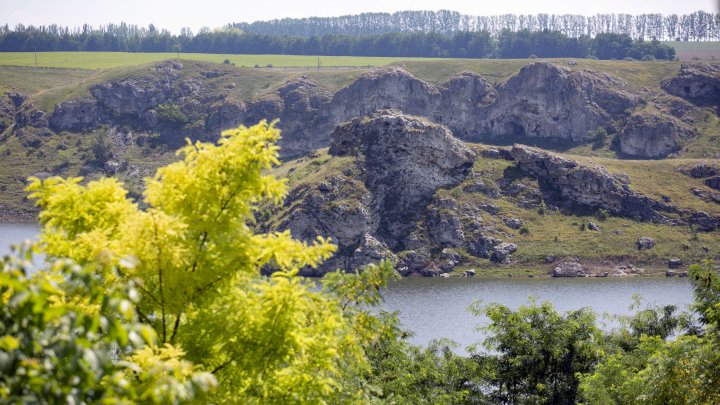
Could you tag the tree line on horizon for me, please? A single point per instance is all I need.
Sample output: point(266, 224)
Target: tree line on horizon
point(228, 40)
point(697, 26)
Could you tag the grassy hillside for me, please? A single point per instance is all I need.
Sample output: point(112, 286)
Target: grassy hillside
point(106, 60)
point(47, 87)
point(552, 233)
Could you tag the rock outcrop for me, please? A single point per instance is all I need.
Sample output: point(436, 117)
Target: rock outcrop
point(652, 136)
point(398, 162)
point(569, 269)
point(543, 100)
point(404, 160)
point(589, 187)
point(161, 99)
point(549, 101)
point(698, 83)
point(456, 103)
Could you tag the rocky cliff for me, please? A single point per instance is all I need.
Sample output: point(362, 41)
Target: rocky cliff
point(397, 164)
point(696, 82)
point(549, 101)
point(543, 100)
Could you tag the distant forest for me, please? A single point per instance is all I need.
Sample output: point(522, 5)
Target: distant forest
point(698, 26)
point(508, 44)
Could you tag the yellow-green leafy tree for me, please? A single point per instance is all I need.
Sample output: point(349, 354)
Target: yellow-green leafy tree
point(198, 263)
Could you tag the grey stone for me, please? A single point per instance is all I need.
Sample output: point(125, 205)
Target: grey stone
point(645, 243)
point(674, 263)
point(513, 223)
point(569, 269)
point(652, 136)
point(696, 82)
point(502, 252)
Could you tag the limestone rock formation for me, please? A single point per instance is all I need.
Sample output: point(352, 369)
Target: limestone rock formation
point(546, 100)
point(456, 103)
point(404, 160)
point(399, 162)
point(591, 187)
point(652, 136)
point(696, 82)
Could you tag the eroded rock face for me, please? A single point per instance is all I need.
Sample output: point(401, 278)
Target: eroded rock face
point(399, 162)
point(696, 82)
point(299, 116)
point(456, 103)
point(652, 136)
point(134, 101)
point(592, 187)
point(404, 160)
point(546, 100)
point(385, 88)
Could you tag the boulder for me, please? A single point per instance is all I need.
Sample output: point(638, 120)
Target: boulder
point(502, 252)
point(674, 263)
point(652, 136)
point(513, 223)
point(569, 269)
point(593, 226)
point(645, 243)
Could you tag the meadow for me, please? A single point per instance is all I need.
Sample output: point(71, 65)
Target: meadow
point(106, 60)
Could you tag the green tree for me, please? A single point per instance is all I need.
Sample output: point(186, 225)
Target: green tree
point(537, 353)
point(266, 340)
point(64, 335)
point(657, 371)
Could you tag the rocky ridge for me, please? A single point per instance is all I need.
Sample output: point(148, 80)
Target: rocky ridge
point(543, 100)
point(398, 162)
point(696, 82)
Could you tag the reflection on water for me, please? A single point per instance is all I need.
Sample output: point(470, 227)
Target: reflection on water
point(435, 308)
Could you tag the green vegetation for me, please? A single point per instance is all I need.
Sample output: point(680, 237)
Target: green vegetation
point(178, 285)
point(106, 60)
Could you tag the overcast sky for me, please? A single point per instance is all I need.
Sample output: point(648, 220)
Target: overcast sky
point(174, 14)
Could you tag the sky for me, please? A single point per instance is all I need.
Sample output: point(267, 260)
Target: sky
point(175, 14)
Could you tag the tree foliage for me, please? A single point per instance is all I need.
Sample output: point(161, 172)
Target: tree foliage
point(537, 353)
point(64, 336)
point(198, 265)
point(685, 370)
point(507, 40)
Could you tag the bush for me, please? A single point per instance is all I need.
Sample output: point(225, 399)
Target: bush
point(628, 59)
point(101, 147)
point(171, 114)
point(647, 58)
point(524, 230)
point(602, 214)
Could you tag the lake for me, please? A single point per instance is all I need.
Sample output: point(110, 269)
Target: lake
point(437, 307)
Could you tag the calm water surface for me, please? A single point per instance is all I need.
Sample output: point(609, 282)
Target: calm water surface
point(11, 234)
point(437, 308)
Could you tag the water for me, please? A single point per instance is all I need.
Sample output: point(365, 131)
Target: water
point(11, 234)
point(437, 308)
